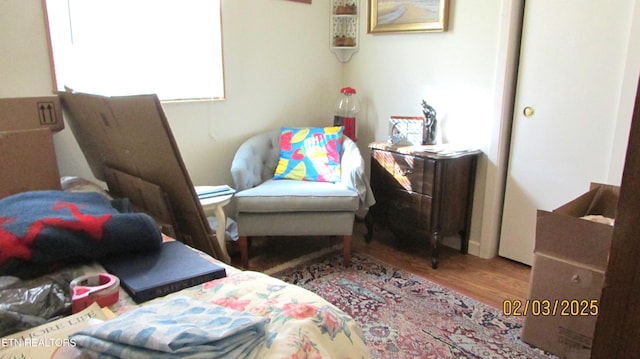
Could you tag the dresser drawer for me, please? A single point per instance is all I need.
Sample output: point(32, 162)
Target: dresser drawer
point(408, 172)
point(409, 210)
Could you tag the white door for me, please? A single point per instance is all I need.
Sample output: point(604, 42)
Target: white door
point(569, 79)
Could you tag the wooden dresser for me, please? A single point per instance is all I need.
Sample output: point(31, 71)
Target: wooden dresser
point(422, 192)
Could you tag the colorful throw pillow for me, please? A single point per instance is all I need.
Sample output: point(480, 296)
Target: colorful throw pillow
point(310, 154)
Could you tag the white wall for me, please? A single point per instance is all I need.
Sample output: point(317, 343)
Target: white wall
point(278, 71)
point(24, 58)
point(453, 71)
point(458, 72)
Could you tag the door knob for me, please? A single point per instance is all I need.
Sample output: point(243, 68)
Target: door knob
point(528, 111)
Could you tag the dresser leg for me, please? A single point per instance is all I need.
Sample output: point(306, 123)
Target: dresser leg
point(435, 261)
point(464, 242)
point(368, 221)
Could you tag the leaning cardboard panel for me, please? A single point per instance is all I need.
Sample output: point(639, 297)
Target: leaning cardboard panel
point(131, 134)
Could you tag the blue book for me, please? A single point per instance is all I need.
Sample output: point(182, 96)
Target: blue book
point(175, 266)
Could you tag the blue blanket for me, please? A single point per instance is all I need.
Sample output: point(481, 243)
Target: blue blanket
point(43, 230)
point(179, 327)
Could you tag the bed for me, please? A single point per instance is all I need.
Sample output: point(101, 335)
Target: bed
point(299, 323)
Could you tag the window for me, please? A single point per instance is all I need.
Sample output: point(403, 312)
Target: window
point(172, 48)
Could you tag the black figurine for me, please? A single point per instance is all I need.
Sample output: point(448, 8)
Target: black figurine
point(430, 124)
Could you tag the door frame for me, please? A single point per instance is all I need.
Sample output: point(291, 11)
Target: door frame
point(507, 58)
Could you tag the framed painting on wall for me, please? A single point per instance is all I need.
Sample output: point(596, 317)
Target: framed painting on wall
point(407, 15)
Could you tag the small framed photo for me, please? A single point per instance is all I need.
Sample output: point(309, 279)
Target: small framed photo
point(408, 16)
point(406, 130)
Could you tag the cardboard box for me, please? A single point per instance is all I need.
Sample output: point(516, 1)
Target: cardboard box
point(570, 260)
point(27, 155)
point(25, 113)
point(27, 161)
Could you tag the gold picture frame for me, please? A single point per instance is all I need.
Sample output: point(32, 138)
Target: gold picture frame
point(389, 16)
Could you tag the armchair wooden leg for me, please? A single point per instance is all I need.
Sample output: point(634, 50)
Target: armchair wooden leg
point(346, 251)
point(244, 251)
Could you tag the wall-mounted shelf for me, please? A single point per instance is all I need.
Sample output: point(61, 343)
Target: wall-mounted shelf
point(344, 39)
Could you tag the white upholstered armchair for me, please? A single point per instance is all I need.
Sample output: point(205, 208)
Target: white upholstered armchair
point(284, 207)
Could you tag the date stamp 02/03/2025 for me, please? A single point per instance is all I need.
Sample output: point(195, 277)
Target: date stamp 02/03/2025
point(550, 307)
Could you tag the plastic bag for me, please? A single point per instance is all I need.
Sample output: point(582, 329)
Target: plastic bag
point(28, 303)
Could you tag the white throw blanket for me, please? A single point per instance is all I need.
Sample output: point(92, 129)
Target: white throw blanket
point(177, 327)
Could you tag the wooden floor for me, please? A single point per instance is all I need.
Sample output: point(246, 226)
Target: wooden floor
point(491, 281)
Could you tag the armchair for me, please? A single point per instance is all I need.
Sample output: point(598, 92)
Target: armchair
point(284, 207)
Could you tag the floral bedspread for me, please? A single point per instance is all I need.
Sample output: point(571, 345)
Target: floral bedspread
point(302, 324)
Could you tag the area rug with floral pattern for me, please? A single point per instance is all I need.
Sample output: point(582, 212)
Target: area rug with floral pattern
point(406, 316)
